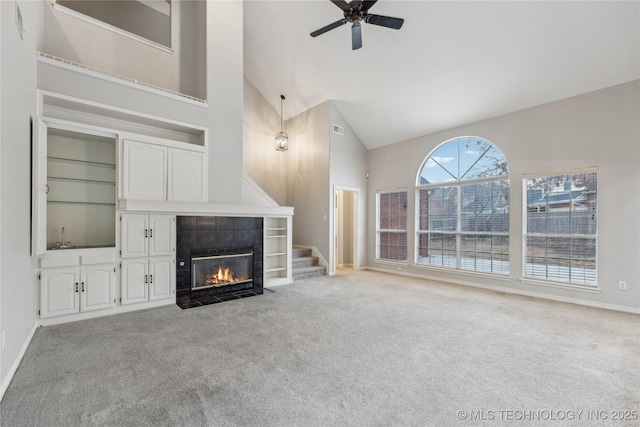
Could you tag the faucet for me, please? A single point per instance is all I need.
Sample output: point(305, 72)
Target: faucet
point(64, 245)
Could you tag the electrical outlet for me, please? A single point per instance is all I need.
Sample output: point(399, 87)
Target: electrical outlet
point(4, 338)
point(622, 285)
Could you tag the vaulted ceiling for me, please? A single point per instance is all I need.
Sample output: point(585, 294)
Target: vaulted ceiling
point(452, 63)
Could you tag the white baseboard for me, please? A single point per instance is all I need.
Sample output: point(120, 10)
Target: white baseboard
point(558, 298)
point(16, 363)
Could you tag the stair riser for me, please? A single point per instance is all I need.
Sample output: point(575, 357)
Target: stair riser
point(305, 263)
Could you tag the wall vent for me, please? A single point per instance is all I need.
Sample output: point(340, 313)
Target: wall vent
point(338, 129)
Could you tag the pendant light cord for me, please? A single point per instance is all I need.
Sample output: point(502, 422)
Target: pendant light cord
point(281, 119)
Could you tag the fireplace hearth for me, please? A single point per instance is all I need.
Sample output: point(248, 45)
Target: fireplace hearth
point(218, 259)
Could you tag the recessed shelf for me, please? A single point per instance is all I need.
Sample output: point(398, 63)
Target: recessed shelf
point(82, 162)
point(80, 203)
point(92, 181)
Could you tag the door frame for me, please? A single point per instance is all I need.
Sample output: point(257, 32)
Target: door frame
point(355, 226)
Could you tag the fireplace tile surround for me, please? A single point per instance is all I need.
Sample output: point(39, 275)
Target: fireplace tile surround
point(217, 235)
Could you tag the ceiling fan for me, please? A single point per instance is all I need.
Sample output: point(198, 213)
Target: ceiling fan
point(357, 11)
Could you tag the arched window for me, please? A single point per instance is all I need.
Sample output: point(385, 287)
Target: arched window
point(463, 201)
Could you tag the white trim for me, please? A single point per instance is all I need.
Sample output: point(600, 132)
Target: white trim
point(559, 172)
point(110, 27)
point(355, 225)
point(568, 300)
point(470, 273)
point(259, 189)
point(195, 208)
point(116, 78)
point(561, 285)
point(117, 309)
point(16, 363)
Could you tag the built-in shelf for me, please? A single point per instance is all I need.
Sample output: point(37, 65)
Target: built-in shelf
point(277, 250)
point(80, 187)
point(82, 162)
point(80, 203)
point(89, 181)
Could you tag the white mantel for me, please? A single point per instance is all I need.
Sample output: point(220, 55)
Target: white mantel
point(182, 208)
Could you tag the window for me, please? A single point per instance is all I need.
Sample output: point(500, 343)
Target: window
point(560, 223)
point(391, 226)
point(463, 207)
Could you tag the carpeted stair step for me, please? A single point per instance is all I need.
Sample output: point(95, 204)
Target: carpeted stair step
point(305, 265)
point(307, 272)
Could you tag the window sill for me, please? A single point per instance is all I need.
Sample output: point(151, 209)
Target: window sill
point(389, 262)
point(494, 276)
point(559, 285)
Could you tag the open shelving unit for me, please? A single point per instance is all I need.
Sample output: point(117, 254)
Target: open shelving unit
point(277, 250)
point(81, 189)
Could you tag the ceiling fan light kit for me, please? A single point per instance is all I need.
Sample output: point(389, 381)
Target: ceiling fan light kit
point(356, 12)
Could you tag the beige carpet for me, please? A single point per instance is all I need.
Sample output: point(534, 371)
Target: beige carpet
point(357, 349)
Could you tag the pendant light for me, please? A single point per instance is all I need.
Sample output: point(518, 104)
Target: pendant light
point(282, 139)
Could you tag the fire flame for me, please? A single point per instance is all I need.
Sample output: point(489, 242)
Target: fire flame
point(223, 275)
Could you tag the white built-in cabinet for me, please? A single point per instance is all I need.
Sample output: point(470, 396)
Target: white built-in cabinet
point(148, 257)
point(76, 289)
point(277, 250)
point(160, 173)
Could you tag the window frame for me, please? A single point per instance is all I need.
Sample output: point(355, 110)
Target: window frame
point(459, 233)
point(391, 230)
point(546, 281)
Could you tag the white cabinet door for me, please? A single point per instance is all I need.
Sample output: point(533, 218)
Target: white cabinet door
point(96, 287)
point(186, 176)
point(160, 235)
point(59, 292)
point(39, 190)
point(144, 171)
point(161, 278)
point(135, 280)
point(135, 235)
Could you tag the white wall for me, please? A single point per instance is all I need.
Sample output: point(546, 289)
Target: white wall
point(18, 103)
point(261, 161)
point(600, 129)
point(308, 187)
point(224, 91)
point(74, 39)
point(348, 168)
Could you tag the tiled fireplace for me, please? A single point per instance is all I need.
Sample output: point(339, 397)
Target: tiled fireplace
point(218, 258)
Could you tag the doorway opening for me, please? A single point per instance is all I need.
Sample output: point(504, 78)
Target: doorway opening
point(346, 248)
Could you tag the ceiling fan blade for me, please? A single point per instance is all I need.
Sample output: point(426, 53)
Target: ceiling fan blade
point(384, 21)
point(366, 4)
point(356, 36)
point(331, 26)
point(341, 4)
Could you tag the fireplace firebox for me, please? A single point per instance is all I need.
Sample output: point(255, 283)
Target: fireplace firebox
point(221, 270)
point(218, 259)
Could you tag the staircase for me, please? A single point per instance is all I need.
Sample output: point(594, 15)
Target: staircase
point(305, 265)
